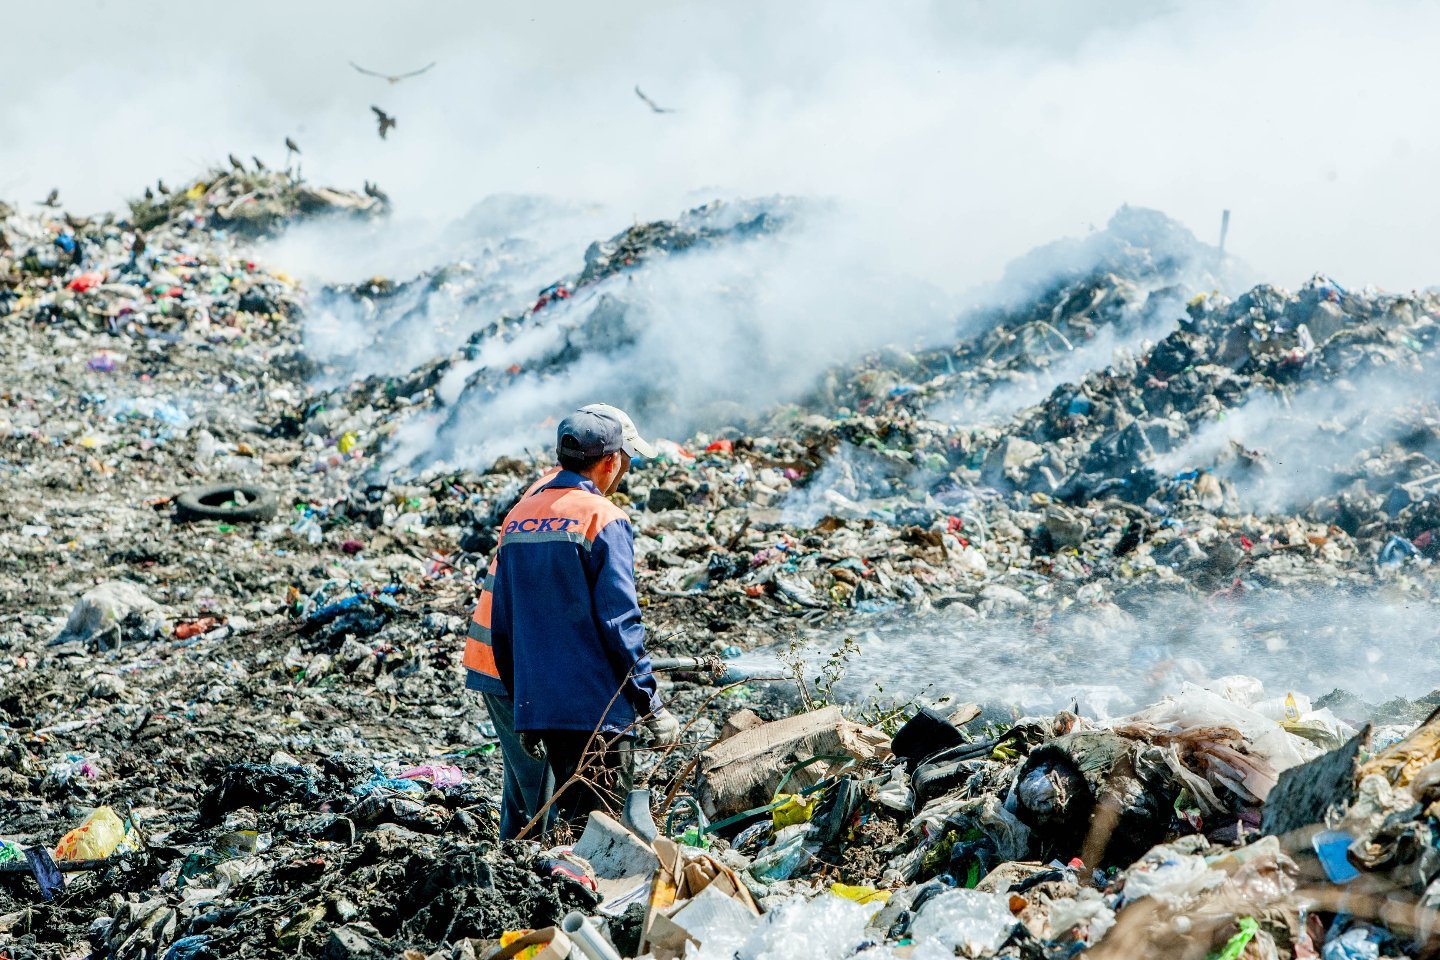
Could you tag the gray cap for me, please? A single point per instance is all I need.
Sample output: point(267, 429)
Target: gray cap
point(588, 434)
point(630, 440)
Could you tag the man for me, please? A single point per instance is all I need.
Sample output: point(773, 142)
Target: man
point(559, 624)
point(527, 783)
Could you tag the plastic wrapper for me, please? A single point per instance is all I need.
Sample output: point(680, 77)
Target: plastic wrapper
point(968, 921)
point(784, 857)
point(1360, 942)
point(95, 839)
point(824, 927)
point(1086, 913)
point(1175, 880)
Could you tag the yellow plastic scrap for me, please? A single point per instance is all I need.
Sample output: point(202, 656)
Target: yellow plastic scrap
point(196, 191)
point(860, 894)
point(95, 839)
point(347, 443)
point(795, 809)
point(510, 936)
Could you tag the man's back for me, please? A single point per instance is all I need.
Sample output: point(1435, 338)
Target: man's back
point(565, 623)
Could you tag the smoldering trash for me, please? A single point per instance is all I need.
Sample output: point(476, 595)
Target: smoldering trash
point(1094, 616)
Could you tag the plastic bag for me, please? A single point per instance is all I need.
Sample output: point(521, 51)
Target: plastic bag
point(784, 857)
point(1174, 880)
point(1236, 945)
point(10, 851)
point(1360, 942)
point(95, 839)
point(972, 922)
point(795, 809)
point(823, 927)
point(861, 894)
point(1087, 908)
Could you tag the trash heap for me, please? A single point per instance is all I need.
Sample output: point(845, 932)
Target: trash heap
point(231, 717)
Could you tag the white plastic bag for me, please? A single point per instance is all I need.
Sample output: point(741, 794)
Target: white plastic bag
point(974, 923)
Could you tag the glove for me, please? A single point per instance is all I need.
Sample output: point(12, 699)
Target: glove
point(664, 728)
point(533, 745)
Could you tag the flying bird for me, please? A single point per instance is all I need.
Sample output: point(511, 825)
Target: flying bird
point(386, 121)
point(53, 200)
point(373, 190)
point(392, 77)
point(651, 103)
point(291, 146)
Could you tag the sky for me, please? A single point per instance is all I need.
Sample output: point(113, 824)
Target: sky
point(957, 134)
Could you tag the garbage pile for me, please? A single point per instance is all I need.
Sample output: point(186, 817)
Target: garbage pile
point(231, 707)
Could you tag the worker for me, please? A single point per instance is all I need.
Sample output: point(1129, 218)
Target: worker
point(526, 781)
point(559, 624)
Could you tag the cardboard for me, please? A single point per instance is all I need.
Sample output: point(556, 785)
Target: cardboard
point(678, 882)
point(745, 770)
point(623, 863)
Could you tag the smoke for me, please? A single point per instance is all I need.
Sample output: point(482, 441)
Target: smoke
point(701, 338)
point(1113, 660)
point(1283, 451)
point(1148, 321)
point(960, 132)
point(438, 285)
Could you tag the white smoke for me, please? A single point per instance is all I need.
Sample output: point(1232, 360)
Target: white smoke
point(1285, 450)
point(699, 338)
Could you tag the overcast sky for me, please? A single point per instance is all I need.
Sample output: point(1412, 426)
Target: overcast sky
point(961, 133)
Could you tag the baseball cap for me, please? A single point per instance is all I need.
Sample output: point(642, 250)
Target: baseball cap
point(587, 434)
point(630, 440)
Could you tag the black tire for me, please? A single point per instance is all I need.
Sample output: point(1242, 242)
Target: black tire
point(216, 502)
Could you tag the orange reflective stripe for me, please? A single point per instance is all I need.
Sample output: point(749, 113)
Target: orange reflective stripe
point(482, 609)
point(481, 658)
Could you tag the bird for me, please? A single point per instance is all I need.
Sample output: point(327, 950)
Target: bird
point(292, 146)
point(386, 121)
point(371, 190)
point(239, 167)
point(160, 185)
point(259, 166)
point(392, 77)
point(53, 200)
point(149, 194)
point(651, 103)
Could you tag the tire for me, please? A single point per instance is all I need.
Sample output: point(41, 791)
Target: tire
point(215, 502)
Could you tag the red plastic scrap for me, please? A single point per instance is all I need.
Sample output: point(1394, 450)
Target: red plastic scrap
point(193, 628)
point(721, 446)
point(86, 281)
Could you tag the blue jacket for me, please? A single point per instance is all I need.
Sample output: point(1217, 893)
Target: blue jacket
point(562, 620)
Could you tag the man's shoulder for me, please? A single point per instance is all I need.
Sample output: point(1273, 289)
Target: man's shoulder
point(564, 512)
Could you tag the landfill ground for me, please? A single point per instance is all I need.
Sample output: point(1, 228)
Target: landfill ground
point(263, 690)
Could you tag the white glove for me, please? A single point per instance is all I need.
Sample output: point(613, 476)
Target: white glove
point(664, 728)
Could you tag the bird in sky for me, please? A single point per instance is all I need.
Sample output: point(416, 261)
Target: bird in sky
point(234, 162)
point(386, 121)
point(53, 200)
point(655, 107)
point(392, 77)
point(259, 166)
point(372, 190)
point(291, 146)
